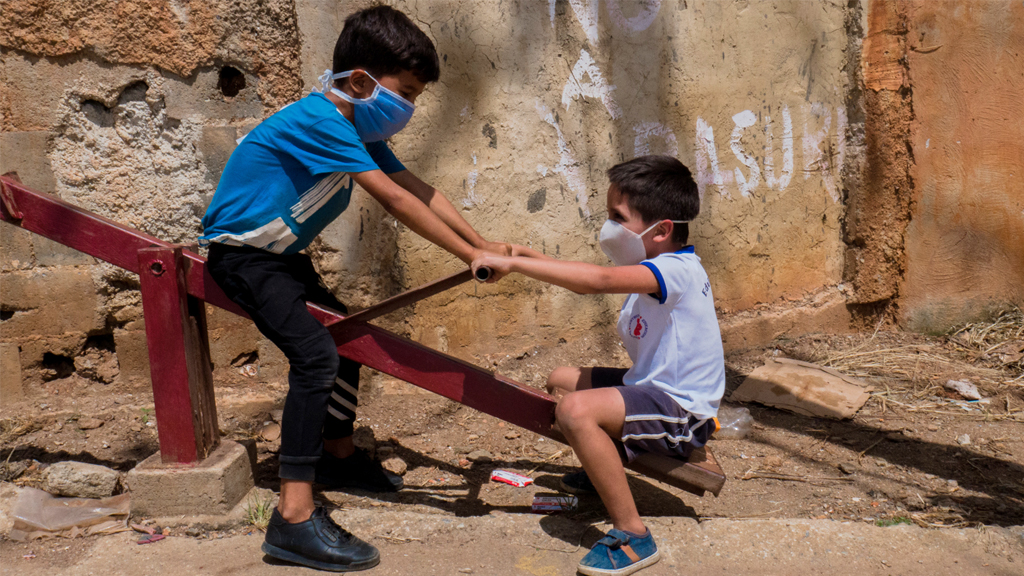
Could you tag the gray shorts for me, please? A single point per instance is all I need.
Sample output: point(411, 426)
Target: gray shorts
point(654, 421)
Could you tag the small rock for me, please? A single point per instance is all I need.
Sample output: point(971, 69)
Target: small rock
point(80, 480)
point(933, 427)
point(465, 570)
point(384, 451)
point(772, 463)
point(249, 370)
point(395, 465)
point(965, 389)
point(364, 440)
point(89, 423)
point(896, 437)
point(276, 415)
point(963, 439)
point(512, 435)
point(11, 470)
point(952, 483)
point(97, 364)
point(462, 449)
point(480, 456)
point(463, 462)
point(270, 432)
point(136, 428)
point(472, 437)
point(847, 468)
point(193, 531)
point(546, 448)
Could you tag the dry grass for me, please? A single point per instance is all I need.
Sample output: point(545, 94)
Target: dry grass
point(999, 343)
point(989, 354)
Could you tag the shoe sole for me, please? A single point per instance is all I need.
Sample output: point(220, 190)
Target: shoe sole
point(281, 554)
point(574, 490)
point(643, 563)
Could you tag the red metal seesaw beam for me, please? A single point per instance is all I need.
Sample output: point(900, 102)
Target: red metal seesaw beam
point(369, 345)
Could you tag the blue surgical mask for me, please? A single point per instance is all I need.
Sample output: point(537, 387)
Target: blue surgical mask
point(377, 117)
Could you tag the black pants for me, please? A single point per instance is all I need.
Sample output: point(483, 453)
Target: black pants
point(321, 402)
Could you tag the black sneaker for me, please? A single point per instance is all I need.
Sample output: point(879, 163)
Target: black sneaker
point(356, 471)
point(578, 483)
point(318, 543)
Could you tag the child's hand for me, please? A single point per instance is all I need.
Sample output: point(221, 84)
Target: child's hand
point(500, 248)
point(498, 265)
point(518, 250)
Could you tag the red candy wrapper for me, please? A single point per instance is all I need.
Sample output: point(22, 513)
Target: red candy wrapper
point(517, 480)
point(549, 504)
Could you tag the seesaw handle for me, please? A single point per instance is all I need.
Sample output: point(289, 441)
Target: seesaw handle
point(409, 297)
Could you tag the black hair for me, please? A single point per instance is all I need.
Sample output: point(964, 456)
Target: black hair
point(383, 41)
point(658, 188)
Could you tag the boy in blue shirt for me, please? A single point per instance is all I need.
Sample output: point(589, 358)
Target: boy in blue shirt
point(667, 401)
point(288, 179)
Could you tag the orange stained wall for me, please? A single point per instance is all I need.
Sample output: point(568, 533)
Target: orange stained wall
point(965, 239)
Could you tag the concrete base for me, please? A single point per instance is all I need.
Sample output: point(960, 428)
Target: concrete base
point(213, 486)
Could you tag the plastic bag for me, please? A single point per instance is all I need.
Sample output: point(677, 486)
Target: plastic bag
point(735, 422)
point(38, 514)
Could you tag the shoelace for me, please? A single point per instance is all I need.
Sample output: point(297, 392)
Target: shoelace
point(333, 530)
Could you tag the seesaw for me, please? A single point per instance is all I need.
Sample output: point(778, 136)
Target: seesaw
point(174, 285)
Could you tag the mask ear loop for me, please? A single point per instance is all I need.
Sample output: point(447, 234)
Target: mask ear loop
point(652, 226)
point(327, 85)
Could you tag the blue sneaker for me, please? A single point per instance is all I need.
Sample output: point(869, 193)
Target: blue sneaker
point(619, 554)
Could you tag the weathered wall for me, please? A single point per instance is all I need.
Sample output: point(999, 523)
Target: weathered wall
point(537, 100)
point(965, 240)
point(131, 108)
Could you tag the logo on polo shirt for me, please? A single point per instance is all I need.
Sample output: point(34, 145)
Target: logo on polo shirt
point(637, 327)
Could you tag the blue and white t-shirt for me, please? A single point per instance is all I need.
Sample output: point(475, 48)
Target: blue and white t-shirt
point(288, 178)
point(674, 341)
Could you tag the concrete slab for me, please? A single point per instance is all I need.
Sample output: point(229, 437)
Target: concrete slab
point(214, 486)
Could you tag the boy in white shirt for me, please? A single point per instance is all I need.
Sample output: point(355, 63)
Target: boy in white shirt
point(668, 400)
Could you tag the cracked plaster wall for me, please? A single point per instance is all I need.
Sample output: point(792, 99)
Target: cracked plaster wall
point(118, 106)
point(538, 99)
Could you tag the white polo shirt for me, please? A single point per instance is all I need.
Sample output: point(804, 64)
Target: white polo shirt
point(674, 341)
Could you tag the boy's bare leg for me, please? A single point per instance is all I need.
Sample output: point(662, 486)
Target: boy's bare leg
point(566, 379)
point(296, 502)
point(590, 419)
point(340, 447)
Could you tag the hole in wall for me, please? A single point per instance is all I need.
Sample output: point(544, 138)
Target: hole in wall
point(97, 113)
point(245, 358)
point(134, 92)
point(56, 366)
point(230, 81)
point(6, 315)
point(100, 342)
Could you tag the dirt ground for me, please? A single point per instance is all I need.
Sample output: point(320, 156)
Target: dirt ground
point(914, 454)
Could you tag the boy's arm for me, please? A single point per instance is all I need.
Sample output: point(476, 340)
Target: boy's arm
point(414, 213)
point(444, 210)
point(580, 277)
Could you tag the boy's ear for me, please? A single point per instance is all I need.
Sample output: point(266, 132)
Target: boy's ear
point(361, 83)
point(663, 231)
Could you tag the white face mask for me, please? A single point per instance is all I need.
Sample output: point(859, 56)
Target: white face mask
point(622, 245)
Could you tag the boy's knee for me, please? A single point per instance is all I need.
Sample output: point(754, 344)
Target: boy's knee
point(570, 411)
point(319, 360)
